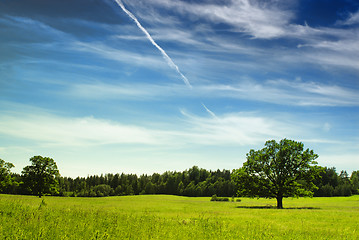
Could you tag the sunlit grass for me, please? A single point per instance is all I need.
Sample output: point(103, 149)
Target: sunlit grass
point(173, 217)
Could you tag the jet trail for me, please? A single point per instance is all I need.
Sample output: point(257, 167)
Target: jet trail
point(164, 54)
point(209, 111)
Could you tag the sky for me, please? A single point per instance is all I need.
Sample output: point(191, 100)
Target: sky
point(144, 86)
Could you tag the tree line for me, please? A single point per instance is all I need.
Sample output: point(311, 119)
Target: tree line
point(279, 170)
point(194, 182)
point(332, 184)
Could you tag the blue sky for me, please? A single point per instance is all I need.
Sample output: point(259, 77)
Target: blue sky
point(148, 86)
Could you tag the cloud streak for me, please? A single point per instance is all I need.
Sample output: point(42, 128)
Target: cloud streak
point(241, 128)
point(164, 54)
point(52, 130)
point(37, 130)
point(260, 20)
point(285, 92)
point(277, 91)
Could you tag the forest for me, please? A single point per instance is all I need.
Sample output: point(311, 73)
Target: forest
point(194, 182)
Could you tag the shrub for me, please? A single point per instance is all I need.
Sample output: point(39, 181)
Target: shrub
point(103, 190)
point(223, 199)
point(219, 199)
point(214, 197)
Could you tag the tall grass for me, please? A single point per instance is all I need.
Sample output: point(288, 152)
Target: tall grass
point(173, 217)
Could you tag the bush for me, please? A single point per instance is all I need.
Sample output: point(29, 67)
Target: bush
point(103, 190)
point(219, 199)
point(214, 197)
point(223, 199)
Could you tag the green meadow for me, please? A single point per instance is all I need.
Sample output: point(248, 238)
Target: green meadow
point(174, 217)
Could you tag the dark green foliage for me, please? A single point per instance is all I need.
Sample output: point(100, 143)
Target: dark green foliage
point(332, 184)
point(279, 170)
point(41, 176)
point(325, 191)
point(175, 183)
point(195, 182)
point(6, 180)
point(354, 180)
point(219, 199)
point(343, 190)
point(102, 190)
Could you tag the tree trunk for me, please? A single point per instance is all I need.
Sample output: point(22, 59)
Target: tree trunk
point(279, 202)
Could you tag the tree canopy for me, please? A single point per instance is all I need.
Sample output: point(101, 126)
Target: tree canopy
point(40, 176)
point(279, 170)
point(5, 175)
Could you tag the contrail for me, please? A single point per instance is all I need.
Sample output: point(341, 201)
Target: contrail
point(209, 111)
point(164, 54)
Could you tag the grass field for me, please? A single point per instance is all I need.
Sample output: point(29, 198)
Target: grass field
point(174, 217)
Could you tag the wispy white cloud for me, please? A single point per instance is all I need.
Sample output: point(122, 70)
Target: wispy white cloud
point(339, 49)
point(352, 19)
point(260, 20)
point(348, 46)
point(52, 130)
point(323, 94)
point(286, 92)
point(269, 20)
point(330, 60)
point(279, 91)
point(242, 128)
point(336, 53)
point(38, 131)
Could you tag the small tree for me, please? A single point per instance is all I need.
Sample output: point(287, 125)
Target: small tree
point(103, 190)
point(40, 176)
point(5, 175)
point(354, 179)
point(279, 170)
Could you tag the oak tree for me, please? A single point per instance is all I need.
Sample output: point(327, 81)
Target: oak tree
point(279, 170)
